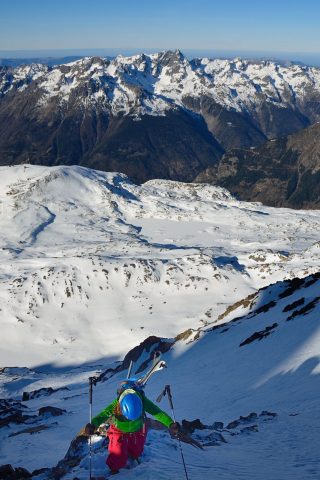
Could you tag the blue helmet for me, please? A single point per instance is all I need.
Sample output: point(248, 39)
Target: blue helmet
point(131, 404)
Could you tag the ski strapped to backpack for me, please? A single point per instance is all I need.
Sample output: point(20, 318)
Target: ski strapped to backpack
point(140, 383)
point(158, 365)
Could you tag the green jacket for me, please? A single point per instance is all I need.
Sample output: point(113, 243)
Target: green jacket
point(129, 426)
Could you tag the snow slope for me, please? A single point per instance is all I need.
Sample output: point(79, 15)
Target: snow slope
point(258, 373)
point(92, 264)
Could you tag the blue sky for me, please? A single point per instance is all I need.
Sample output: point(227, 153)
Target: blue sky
point(266, 26)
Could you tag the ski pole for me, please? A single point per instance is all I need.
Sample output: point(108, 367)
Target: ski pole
point(167, 391)
point(92, 381)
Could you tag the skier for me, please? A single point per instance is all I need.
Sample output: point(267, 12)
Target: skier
point(127, 431)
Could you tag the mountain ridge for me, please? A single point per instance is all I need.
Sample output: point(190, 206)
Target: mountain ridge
point(88, 112)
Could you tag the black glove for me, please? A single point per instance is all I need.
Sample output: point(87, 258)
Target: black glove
point(175, 429)
point(89, 429)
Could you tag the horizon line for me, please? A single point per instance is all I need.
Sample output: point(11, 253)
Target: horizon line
point(157, 49)
point(8, 57)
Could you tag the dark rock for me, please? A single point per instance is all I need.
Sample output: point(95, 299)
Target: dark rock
point(217, 426)
point(12, 411)
point(294, 305)
point(7, 472)
point(15, 418)
point(135, 353)
point(57, 473)
point(151, 344)
point(9, 406)
point(30, 430)
point(252, 428)
point(42, 392)
point(292, 286)
point(233, 425)
point(243, 419)
point(51, 411)
point(191, 426)
point(265, 413)
point(259, 335)
point(249, 417)
point(304, 310)
point(76, 448)
point(22, 473)
point(40, 471)
point(312, 279)
point(214, 439)
point(76, 452)
point(265, 308)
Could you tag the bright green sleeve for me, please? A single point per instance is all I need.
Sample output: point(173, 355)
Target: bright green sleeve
point(157, 413)
point(104, 415)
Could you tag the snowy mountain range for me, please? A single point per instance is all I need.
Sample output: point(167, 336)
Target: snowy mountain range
point(93, 265)
point(150, 116)
point(153, 84)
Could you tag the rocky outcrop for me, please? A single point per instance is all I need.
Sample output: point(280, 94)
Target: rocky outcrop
point(8, 472)
point(42, 392)
point(259, 335)
point(49, 411)
point(12, 411)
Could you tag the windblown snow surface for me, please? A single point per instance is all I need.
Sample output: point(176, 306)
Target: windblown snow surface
point(92, 265)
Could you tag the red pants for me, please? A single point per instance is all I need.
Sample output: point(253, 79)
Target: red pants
point(124, 445)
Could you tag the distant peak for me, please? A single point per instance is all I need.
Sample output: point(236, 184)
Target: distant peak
point(169, 57)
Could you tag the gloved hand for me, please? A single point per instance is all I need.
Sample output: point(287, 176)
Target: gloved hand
point(175, 429)
point(89, 429)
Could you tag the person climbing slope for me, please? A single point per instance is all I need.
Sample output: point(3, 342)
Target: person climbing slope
point(126, 416)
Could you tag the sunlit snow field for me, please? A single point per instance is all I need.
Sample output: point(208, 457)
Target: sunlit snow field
point(92, 264)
